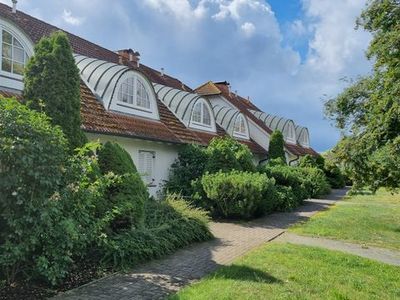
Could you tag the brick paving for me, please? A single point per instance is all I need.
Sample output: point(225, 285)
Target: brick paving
point(159, 278)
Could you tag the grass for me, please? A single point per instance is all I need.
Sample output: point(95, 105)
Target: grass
point(286, 271)
point(372, 220)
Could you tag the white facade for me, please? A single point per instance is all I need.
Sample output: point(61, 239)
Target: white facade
point(164, 155)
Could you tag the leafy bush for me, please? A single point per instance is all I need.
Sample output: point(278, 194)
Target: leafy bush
point(125, 200)
point(285, 198)
point(335, 177)
point(227, 154)
point(126, 197)
point(238, 194)
point(276, 146)
point(189, 166)
point(314, 181)
point(113, 158)
point(169, 224)
point(32, 158)
point(289, 177)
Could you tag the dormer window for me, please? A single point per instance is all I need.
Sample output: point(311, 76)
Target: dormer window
point(201, 115)
point(133, 92)
point(240, 129)
point(13, 54)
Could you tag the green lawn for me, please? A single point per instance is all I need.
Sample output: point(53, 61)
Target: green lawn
point(366, 219)
point(286, 271)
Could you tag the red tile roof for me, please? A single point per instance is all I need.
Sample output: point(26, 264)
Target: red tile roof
point(244, 105)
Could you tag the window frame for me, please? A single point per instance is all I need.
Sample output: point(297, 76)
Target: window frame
point(239, 134)
point(134, 94)
point(201, 124)
point(26, 52)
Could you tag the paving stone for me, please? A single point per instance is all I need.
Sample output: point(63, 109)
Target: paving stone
point(159, 278)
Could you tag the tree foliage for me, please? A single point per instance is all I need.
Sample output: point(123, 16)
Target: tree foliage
point(276, 146)
point(113, 158)
point(52, 84)
point(368, 111)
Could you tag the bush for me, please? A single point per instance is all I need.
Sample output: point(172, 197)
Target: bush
point(335, 177)
point(169, 225)
point(113, 158)
point(276, 146)
point(314, 181)
point(289, 177)
point(226, 154)
point(238, 194)
point(285, 198)
point(189, 166)
point(32, 158)
point(126, 197)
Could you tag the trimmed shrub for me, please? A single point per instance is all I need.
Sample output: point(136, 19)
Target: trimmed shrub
point(238, 194)
point(276, 146)
point(314, 181)
point(289, 177)
point(226, 154)
point(189, 166)
point(285, 198)
point(169, 225)
point(113, 158)
point(52, 84)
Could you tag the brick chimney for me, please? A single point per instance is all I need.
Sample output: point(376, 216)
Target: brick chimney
point(128, 55)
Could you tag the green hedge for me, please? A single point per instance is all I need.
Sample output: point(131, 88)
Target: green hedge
point(239, 194)
point(113, 158)
point(169, 225)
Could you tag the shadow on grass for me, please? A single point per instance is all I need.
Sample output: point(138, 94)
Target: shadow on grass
point(244, 273)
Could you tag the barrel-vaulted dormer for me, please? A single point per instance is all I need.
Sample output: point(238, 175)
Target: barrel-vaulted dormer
point(15, 50)
point(192, 109)
point(303, 136)
point(286, 126)
point(232, 120)
point(118, 87)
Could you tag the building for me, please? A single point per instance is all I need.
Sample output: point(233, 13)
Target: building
point(148, 112)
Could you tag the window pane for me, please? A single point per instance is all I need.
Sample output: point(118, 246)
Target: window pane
point(206, 115)
point(6, 65)
point(196, 115)
point(18, 68)
point(6, 51)
point(142, 97)
point(7, 37)
point(17, 44)
point(18, 55)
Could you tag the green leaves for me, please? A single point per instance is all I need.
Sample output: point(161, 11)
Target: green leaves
point(369, 109)
point(52, 84)
point(276, 146)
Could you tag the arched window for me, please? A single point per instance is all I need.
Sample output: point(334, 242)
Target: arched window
point(133, 92)
point(201, 114)
point(240, 127)
point(13, 54)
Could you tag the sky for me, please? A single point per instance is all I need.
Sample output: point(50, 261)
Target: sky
point(286, 55)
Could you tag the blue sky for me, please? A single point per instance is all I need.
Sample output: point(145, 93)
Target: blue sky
point(286, 55)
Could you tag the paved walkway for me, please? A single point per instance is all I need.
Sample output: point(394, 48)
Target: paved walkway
point(157, 279)
point(379, 254)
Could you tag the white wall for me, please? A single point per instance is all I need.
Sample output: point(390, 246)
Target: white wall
point(258, 134)
point(165, 155)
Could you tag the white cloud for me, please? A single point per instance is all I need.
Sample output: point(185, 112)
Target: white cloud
point(70, 19)
point(180, 9)
point(248, 29)
point(297, 28)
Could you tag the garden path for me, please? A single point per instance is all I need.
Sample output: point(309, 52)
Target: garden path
point(159, 278)
point(383, 255)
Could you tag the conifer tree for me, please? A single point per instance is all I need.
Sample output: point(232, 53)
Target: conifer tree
point(52, 84)
point(276, 146)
